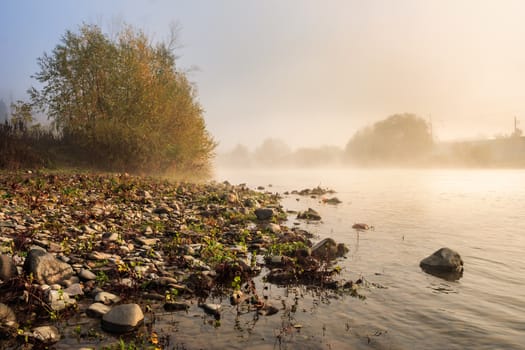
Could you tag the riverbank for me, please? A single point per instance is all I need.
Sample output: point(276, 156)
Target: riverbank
point(78, 247)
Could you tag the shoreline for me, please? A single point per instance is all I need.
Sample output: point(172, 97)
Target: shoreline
point(159, 245)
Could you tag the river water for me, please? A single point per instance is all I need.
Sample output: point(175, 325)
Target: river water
point(478, 213)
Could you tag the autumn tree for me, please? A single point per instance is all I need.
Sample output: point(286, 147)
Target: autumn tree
point(123, 103)
point(401, 139)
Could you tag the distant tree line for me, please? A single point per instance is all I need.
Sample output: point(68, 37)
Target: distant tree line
point(399, 140)
point(115, 104)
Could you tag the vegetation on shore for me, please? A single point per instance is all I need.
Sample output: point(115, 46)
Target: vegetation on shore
point(119, 104)
point(152, 242)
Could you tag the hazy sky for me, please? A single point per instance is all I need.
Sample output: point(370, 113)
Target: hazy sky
point(310, 72)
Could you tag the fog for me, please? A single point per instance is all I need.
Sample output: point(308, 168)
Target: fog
point(312, 73)
point(401, 140)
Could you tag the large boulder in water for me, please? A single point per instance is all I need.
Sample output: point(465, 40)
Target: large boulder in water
point(444, 263)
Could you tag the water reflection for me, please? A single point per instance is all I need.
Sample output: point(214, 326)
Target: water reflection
point(446, 275)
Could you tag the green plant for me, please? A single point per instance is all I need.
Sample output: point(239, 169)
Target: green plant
point(236, 283)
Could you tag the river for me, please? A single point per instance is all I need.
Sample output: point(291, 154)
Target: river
point(478, 213)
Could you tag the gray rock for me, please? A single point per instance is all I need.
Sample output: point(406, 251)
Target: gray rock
point(310, 214)
point(107, 298)
point(176, 306)
point(264, 213)
point(46, 334)
point(444, 261)
point(273, 228)
point(7, 317)
point(212, 309)
point(122, 318)
point(74, 290)
point(7, 267)
point(45, 268)
point(59, 300)
point(97, 310)
point(327, 249)
point(87, 275)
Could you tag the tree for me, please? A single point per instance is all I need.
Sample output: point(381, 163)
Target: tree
point(123, 103)
point(399, 139)
point(272, 152)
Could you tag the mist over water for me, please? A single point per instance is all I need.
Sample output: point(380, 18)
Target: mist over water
point(478, 213)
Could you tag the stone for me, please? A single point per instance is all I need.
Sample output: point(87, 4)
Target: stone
point(176, 306)
point(445, 263)
point(212, 309)
point(45, 268)
point(122, 318)
point(7, 267)
point(7, 317)
point(264, 213)
point(267, 310)
point(273, 228)
point(333, 200)
point(87, 275)
point(58, 300)
point(97, 310)
point(327, 249)
point(309, 214)
point(74, 290)
point(46, 334)
point(107, 298)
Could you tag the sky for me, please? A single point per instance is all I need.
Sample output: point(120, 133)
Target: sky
point(311, 73)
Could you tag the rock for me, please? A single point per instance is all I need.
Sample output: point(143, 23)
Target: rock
point(122, 318)
point(58, 300)
point(7, 317)
point(7, 268)
point(97, 310)
point(212, 309)
point(176, 306)
point(360, 226)
point(263, 213)
point(268, 310)
point(87, 275)
point(110, 236)
point(273, 228)
point(107, 298)
point(444, 263)
point(310, 214)
point(74, 290)
point(45, 268)
point(327, 249)
point(333, 200)
point(46, 334)
point(162, 210)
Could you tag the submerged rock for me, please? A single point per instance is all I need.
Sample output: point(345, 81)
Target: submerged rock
point(328, 249)
point(444, 263)
point(309, 214)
